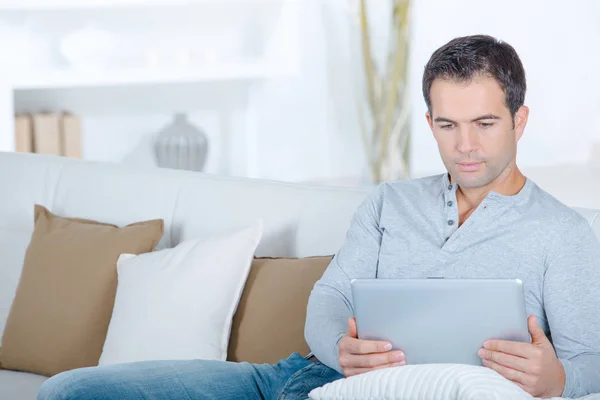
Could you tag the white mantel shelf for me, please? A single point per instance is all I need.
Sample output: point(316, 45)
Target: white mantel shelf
point(49, 5)
point(71, 79)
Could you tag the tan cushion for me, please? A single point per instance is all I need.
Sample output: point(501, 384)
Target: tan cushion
point(269, 322)
point(63, 304)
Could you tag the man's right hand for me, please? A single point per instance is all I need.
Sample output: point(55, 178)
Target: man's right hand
point(358, 356)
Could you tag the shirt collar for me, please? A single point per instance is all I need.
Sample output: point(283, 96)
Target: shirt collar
point(522, 194)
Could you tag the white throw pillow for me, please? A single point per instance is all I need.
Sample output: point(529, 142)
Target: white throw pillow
point(178, 304)
point(425, 381)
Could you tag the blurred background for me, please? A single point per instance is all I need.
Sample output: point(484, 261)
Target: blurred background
point(314, 91)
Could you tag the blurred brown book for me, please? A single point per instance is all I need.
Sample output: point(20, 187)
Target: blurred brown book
point(23, 133)
point(71, 136)
point(47, 133)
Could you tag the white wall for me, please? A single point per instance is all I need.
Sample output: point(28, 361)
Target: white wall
point(306, 127)
point(558, 43)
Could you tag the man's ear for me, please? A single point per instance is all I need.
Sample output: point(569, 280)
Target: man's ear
point(521, 117)
point(429, 120)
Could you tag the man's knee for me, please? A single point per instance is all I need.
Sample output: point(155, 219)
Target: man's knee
point(55, 388)
point(68, 385)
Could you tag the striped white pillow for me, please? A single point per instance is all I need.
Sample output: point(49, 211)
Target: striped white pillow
point(426, 381)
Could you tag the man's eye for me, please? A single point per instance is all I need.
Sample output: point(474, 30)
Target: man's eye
point(485, 125)
point(446, 127)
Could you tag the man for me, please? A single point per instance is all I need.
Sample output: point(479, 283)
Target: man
point(484, 219)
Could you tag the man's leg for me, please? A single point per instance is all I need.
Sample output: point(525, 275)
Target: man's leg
point(310, 377)
point(293, 378)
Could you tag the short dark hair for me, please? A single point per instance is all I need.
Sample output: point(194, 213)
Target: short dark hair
point(463, 58)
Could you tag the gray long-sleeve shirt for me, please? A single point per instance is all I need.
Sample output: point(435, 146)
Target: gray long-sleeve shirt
point(409, 229)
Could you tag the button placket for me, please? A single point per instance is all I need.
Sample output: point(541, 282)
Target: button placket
point(451, 214)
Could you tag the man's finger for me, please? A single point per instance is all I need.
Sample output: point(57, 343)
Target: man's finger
point(358, 346)
point(519, 349)
point(352, 330)
point(508, 373)
point(536, 331)
point(507, 360)
point(357, 371)
point(374, 360)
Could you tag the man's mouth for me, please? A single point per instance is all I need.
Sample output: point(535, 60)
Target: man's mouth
point(469, 167)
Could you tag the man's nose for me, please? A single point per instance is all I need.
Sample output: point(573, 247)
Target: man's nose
point(467, 140)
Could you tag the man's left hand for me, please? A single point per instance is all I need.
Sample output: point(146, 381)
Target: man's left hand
point(533, 366)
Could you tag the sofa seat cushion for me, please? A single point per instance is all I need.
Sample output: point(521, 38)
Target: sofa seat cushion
point(19, 385)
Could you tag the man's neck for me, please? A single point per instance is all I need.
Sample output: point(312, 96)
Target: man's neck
point(508, 184)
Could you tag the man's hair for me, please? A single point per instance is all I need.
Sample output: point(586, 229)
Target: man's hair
point(463, 58)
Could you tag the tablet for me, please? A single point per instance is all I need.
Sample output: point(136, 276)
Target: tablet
point(440, 320)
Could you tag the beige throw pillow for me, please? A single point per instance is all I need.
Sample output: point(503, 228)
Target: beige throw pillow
point(269, 322)
point(63, 304)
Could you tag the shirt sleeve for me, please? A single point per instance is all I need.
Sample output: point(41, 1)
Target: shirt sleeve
point(330, 304)
point(571, 296)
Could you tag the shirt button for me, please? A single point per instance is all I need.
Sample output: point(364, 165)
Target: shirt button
point(450, 222)
point(449, 187)
point(450, 204)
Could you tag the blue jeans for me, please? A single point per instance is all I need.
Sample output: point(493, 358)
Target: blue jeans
point(291, 379)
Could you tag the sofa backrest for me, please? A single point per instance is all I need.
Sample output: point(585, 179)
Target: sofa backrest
point(593, 217)
point(299, 221)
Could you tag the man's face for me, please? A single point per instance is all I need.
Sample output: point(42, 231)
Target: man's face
point(474, 129)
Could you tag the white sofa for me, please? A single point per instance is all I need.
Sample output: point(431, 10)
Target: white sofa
point(299, 220)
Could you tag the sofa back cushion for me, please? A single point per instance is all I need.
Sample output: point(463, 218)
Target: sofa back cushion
point(64, 299)
point(269, 322)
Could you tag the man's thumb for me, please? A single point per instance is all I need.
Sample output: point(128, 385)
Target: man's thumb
point(352, 330)
point(536, 331)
